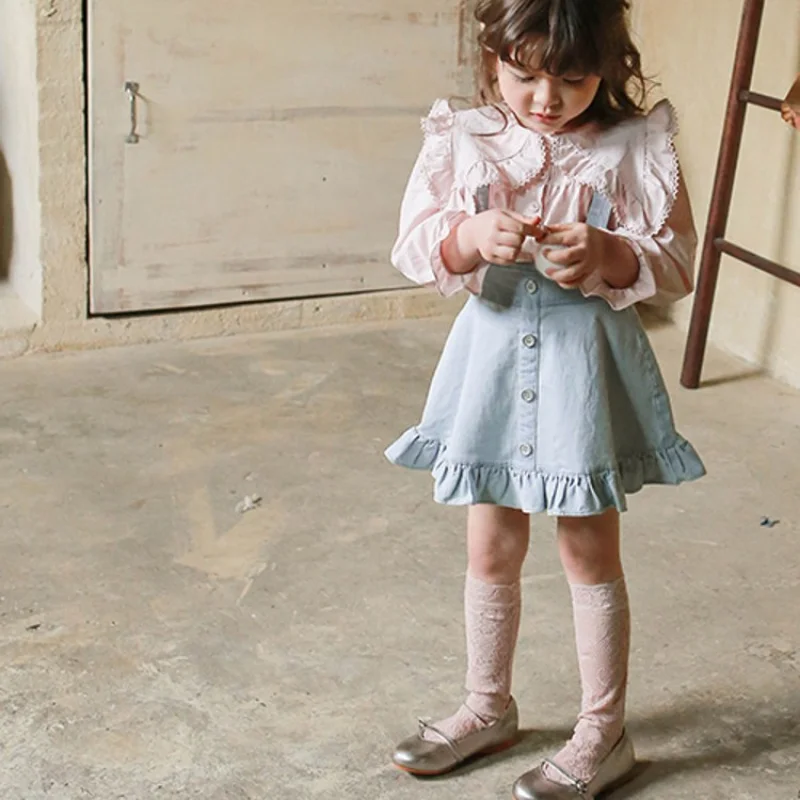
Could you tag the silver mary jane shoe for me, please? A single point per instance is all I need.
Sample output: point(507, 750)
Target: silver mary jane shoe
point(422, 757)
point(615, 770)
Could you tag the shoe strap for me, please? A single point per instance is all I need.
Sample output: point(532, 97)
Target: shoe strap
point(424, 726)
point(581, 787)
point(487, 722)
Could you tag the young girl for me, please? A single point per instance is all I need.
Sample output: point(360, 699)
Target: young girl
point(558, 204)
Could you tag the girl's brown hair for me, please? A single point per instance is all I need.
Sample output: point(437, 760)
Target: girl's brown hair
point(588, 37)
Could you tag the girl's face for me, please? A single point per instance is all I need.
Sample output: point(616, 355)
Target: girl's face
point(543, 102)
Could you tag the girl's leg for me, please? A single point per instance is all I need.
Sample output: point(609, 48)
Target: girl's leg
point(497, 543)
point(590, 553)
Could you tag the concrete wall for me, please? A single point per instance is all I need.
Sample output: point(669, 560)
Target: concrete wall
point(690, 46)
point(20, 267)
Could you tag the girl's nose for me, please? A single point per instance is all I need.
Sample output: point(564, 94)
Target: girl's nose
point(547, 96)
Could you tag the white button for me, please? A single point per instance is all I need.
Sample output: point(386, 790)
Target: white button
point(526, 450)
point(528, 395)
point(529, 340)
point(531, 287)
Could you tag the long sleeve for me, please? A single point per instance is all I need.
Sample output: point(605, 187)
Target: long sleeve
point(655, 217)
point(666, 262)
point(431, 209)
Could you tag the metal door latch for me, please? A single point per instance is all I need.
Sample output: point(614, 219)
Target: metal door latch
point(132, 90)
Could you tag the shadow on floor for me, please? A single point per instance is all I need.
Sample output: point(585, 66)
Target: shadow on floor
point(739, 377)
point(712, 742)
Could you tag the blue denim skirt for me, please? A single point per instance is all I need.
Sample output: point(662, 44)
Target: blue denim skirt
point(546, 401)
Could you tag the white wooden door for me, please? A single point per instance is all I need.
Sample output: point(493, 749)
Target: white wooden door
point(275, 141)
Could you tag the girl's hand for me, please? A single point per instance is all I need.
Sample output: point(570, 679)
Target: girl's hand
point(497, 236)
point(790, 115)
point(587, 250)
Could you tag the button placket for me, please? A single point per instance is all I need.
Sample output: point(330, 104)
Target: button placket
point(528, 371)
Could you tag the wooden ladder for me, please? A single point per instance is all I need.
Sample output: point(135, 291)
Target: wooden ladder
point(715, 243)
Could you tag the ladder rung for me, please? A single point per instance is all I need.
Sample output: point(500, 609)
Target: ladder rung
point(763, 100)
point(764, 264)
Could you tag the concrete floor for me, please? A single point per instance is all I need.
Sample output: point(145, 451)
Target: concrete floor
point(154, 643)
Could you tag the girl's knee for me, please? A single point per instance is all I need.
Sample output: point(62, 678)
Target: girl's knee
point(590, 548)
point(494, 567)
point(497, 543)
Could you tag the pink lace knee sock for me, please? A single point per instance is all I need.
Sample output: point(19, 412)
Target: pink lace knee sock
point(492, 615)
point(602, 635)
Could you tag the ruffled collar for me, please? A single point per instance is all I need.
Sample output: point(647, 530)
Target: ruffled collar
point(508, 152)
point(517, 155)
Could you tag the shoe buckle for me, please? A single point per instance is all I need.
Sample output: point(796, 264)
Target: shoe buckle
point(581, 787)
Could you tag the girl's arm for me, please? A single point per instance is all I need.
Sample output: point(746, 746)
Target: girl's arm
point(665, 262)
point(429, 249)
point(653, 219)
point(668, 257)
point(424, 228)
point(459, 252)
point(619, 267)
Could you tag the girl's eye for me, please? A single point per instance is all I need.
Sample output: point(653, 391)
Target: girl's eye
point(524, 78)
point(572, 81)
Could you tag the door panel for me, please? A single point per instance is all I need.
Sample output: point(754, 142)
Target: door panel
point(275, 144)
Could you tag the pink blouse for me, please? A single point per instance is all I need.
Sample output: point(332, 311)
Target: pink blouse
point(634, 166)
